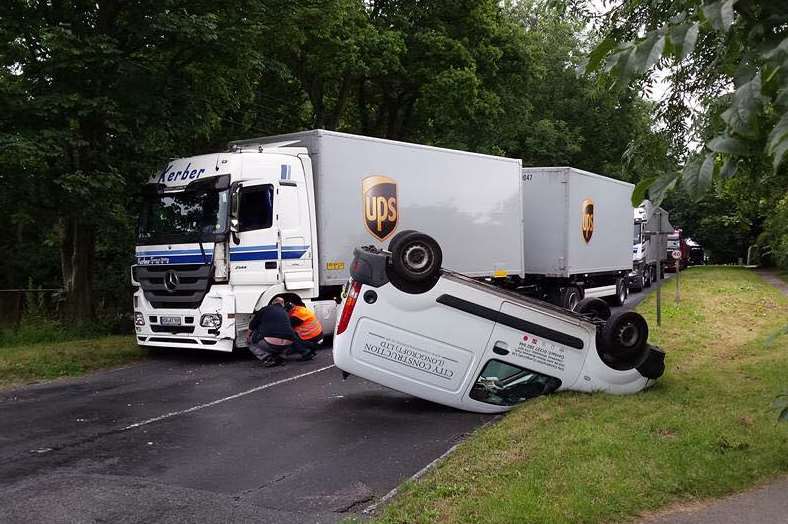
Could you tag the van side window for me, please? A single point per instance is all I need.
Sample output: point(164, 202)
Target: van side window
point(256, 207)
point(505, 384)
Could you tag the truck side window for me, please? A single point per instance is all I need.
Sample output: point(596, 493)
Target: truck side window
point(256, 207)
point(505, 384)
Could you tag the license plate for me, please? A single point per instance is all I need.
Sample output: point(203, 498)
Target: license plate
point(170, 321)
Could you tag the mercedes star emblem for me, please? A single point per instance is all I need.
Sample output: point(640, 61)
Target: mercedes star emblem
point(171, 280)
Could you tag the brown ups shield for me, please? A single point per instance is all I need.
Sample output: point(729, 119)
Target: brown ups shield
point(381, 209)
point(588, 219)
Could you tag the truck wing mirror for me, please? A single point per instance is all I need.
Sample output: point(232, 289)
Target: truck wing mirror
point(234, 228)
point(235, 202)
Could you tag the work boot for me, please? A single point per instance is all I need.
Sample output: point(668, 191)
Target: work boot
point(309, 355)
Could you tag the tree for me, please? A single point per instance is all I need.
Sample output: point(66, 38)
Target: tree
point(712, 48)
point(96, 94)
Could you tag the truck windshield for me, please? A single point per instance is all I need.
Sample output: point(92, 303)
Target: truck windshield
point(184, 216)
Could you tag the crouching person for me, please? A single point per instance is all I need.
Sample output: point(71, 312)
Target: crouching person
point(271, 335)
point(306, 325)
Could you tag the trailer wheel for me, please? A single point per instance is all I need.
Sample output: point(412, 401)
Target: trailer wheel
point(637, 282)
point(594, 307)
point(623, 341)
point(415, 257)
point(571, 296)
point(622, 291)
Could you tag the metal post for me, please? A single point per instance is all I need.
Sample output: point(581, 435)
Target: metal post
point(659, 294)
point(678, 270)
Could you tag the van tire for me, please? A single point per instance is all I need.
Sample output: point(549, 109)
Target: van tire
point(593, 307)
point(623, 341)
point(415, 257)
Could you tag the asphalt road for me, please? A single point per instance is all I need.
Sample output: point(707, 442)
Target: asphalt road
point(189, 436)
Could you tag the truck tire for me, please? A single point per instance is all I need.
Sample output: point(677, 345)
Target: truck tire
point(415, 256)
point(622, 292)
point(647, 278)
point(654, 278)
point(637, 282)
point(571, 296)
point(622, 343)
point(593, 307)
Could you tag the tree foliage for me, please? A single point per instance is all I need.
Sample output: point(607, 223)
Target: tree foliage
point(94, 95)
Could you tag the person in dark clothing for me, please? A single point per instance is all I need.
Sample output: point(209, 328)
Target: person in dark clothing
point(271, 336)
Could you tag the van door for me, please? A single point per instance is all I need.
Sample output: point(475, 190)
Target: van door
point(256, 258)
point(531, 352)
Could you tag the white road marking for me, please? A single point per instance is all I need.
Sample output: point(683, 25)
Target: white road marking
point(225, 399)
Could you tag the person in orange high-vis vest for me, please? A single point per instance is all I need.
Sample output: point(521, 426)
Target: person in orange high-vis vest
point(305, 324)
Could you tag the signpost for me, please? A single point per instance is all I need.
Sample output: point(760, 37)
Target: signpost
point(663, 228)
point(677, 257)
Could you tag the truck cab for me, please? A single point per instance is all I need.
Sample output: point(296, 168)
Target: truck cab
point(649, 245)
point(218, 236)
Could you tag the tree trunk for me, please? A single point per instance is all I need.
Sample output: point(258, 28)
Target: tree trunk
point(77, 255)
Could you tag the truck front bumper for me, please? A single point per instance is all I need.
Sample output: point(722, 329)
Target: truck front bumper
point(152, 329)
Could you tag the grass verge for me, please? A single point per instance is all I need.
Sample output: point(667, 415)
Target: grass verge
point(32, 362)
point(706, 429)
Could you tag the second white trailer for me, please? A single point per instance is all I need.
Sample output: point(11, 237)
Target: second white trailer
point(577, 235)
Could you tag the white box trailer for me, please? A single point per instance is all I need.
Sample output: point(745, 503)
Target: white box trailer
point(577, 234)
point(469, 202)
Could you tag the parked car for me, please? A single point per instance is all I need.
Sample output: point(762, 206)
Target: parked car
point(412, 326)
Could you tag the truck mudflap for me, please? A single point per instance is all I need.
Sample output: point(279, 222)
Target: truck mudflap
point(654, 365)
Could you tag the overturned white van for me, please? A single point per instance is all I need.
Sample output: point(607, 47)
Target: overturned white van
point(407, 324)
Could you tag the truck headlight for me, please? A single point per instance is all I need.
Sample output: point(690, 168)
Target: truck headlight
point(211, 320)
point(139, 319)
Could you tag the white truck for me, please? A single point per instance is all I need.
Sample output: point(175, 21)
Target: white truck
point(223, 234)
point(649, 244)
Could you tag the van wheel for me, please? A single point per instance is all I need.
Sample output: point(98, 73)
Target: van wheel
point(415, 257)
point(571, 296)
point(596, 308)
point(623, 340)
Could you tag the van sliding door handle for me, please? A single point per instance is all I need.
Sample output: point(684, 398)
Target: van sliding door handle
point(270, 265)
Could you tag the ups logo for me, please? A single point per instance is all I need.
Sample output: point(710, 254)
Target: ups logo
point(588, 219)
point(380, 205)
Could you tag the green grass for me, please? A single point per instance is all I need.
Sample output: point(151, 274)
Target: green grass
point(26, 363)
point(706, 429)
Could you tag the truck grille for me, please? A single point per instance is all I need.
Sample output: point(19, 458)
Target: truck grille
point(175, 287)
